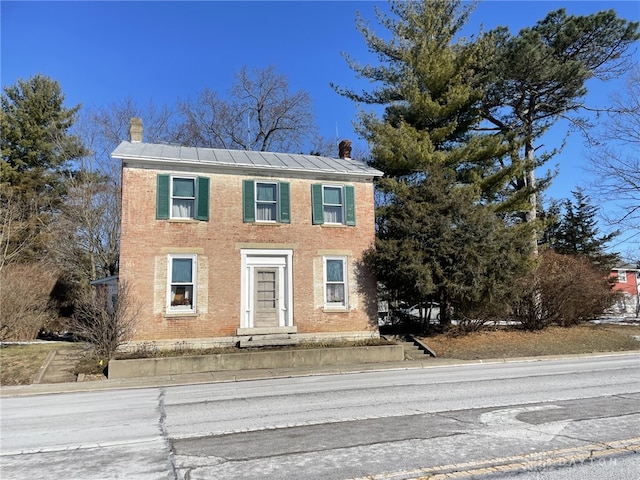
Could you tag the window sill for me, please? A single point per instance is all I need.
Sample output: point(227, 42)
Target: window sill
point(183, 220)
point(180, 314)
point(336, 309)
point(334, 225)
point(268, 224)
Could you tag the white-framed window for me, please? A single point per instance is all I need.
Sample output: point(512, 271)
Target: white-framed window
point(335, 282)
point(181, 283)
point(333, 203)
point(183, 197)
point(622, 276)
point(266, 201)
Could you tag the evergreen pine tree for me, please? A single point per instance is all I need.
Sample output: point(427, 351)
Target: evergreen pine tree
point(539, 76)
point(35, 143)
point(578, 233)
point(439, 232)
point(36, 148)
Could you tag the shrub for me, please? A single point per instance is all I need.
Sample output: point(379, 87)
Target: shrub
point(103, 322)
point(564, 290)
point(25, 291)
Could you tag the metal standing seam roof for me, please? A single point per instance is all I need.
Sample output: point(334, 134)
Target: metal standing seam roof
point(162, 153)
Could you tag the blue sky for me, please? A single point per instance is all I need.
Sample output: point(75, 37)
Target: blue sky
point(103, 52)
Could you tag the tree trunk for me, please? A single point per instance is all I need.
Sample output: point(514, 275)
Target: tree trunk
point(530, 181)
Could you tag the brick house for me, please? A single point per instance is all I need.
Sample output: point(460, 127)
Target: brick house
point(626, 279)
point(221, 246)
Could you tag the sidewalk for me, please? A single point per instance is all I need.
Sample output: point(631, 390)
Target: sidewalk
point(213, 377)
point(246, 375)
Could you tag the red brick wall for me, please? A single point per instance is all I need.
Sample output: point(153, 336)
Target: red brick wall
point(630, 286)
point(145, 243)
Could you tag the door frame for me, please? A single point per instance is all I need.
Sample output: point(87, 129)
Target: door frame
point(276, 258)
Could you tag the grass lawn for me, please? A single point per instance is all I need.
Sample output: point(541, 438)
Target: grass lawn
point(551, 341)
point(20, 363)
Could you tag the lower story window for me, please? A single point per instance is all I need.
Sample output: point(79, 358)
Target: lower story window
point(181, 283)
point(335, 280)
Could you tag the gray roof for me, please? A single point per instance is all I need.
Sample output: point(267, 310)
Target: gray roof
point(625, 266)
point(221, 158)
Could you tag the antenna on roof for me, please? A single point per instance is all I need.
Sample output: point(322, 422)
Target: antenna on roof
point(248, 132)
point(337, 137)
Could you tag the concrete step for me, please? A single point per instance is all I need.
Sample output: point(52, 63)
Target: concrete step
point(269, 340)
point(412, 351)
point(58, 378)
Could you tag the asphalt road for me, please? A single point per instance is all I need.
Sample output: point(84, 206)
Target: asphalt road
point(555, 419)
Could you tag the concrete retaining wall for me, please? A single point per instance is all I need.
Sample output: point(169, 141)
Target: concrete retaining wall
point(149, 367)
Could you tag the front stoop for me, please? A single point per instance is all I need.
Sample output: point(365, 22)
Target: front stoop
point(268, 340)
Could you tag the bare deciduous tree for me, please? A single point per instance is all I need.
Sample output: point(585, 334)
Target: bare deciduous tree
point(18, 225)
point(25, 291)
point(615, 162)
point(260, 114)
point(102, 129)
point(86, 232)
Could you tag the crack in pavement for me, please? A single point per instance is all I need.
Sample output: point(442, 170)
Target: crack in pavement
point(165, 434)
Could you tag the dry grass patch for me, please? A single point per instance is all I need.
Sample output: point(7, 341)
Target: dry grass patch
point(551, 341)
point(19, 363)
point(148, 350)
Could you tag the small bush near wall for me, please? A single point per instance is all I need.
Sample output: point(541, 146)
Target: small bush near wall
point(104, 322)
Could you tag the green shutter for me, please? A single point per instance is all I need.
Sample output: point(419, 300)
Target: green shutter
point(317, 208)
point(349, 205)
point(248, 202)
point(284, 202)
point(202, 199)
point(162, 197)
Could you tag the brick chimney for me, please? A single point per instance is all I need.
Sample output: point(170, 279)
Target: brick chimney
point(135, 130)
point(344, 149)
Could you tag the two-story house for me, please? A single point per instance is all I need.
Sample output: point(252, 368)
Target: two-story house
point(627, 282)
point(223, 245)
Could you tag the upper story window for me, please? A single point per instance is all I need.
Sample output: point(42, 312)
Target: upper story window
point(622, 276)
point(181, 283)
point(182, 197)
point(265, 201)
point(333, 204)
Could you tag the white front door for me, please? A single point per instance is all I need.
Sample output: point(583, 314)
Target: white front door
point(266, 288)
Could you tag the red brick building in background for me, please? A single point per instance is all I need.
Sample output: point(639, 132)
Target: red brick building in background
point(223, 245)
point(626, 279)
